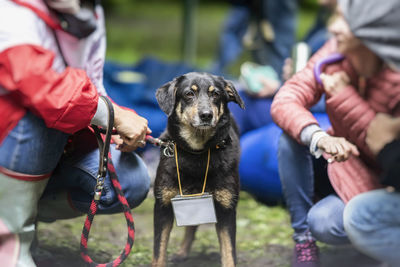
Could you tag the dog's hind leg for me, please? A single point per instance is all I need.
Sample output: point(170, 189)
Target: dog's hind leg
point(163, 222)
point(186, 244)
point(226, 230)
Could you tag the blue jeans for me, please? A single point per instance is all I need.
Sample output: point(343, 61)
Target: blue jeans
point(256, 115)
point(301, 176)
point(282, 16)
point(32, 148)
point(230, 44)
point(372, 221)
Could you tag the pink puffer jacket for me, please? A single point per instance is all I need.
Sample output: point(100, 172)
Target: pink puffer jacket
point(349, 112)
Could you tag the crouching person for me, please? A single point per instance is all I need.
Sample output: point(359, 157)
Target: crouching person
point(50, 82)
point(372, 219)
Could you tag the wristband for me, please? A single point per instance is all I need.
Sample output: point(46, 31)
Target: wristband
point(314, 150)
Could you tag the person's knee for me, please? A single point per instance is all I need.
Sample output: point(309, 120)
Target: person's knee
point(32, 148)
point(136, 182)
point(325, 228)
point(358, 216)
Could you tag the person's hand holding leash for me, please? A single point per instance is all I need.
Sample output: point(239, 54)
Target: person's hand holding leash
point(334, 83)
point(338, 147)
point(132, 129)
point(382, 130)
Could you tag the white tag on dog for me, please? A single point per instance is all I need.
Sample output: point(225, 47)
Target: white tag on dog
point(193, 210)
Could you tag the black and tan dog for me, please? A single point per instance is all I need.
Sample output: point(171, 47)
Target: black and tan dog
point(198, 120)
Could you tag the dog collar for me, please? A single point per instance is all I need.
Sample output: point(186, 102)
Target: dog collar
point(219, 145)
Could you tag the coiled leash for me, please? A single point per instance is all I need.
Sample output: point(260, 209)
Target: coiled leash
point(104, 165)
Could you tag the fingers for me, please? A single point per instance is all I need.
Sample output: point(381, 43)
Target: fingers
point(269, 87)
point(287, 69)
point(343, 77)
point(132, 143)
point(338, 147)
point(132, 129)
point(334, 83)
point(354, 150)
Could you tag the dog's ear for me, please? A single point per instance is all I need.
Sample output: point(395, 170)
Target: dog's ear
point(233, 94)
point(165, 96)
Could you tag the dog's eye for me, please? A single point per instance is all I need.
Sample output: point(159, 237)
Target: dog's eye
point(215, 93)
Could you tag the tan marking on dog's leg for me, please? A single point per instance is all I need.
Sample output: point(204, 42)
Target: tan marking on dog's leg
point(224, 197)
point(226, 249)
point(167, 194)
point(187, 241)
point(194, 87)
point(162, 258)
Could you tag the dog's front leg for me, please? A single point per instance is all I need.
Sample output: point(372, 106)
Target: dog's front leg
point(163, 221)
point(226, 230)
point(186, 244)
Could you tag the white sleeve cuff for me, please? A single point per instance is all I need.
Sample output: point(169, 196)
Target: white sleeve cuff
point(307, 133)
point(314, 150)
point(100, 118)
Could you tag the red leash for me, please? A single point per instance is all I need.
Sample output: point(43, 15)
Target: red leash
point(104, 165)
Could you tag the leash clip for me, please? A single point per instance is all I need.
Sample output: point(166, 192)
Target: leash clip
point(98, 189)
point(169, 149)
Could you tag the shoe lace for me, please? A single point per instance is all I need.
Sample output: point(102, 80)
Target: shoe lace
point(306, 252)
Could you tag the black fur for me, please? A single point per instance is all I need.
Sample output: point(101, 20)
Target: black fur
point(199, 92)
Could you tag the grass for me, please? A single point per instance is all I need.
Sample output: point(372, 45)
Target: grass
point(258, 227)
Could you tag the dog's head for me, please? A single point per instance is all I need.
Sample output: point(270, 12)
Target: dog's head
point(198, 99)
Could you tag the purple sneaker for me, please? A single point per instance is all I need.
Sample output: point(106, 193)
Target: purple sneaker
point(306, 254)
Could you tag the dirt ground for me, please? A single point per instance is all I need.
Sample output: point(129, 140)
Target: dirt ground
point(261, 241)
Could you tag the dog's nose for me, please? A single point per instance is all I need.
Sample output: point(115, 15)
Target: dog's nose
point(206, 116)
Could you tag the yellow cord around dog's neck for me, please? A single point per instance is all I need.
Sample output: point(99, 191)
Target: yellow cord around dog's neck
point(179, 178)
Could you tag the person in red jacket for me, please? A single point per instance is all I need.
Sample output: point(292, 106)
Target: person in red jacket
point(372, 219)
point(51, 64)
point(357, 70)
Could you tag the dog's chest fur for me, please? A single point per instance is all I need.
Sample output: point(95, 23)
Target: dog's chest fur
point(222, 179)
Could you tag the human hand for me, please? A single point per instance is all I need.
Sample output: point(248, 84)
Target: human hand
point(334, 83)
point(132, 129)
point(382, 130)
point(269, 87)
point(338, 147)
point(287, 69)
point(328, 3)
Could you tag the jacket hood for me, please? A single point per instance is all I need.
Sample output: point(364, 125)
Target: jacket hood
point(376, 24)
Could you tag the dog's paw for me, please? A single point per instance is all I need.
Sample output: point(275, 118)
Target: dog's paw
point(179, 257)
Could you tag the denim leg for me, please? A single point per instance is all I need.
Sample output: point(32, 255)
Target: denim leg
point(325, 220)
point(256, 115)
point(372, 221)
point(31, 147)
point(297, 176)
point(78, 174)
point(282, 16)
point(230, 46)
